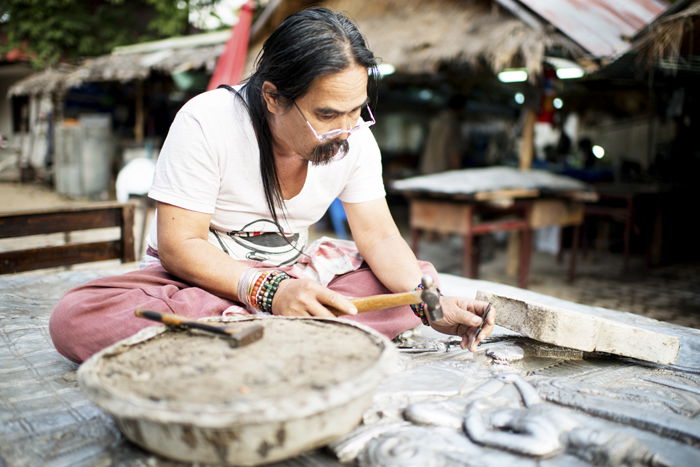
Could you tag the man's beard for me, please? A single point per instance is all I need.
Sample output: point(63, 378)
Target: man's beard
point(324, 153)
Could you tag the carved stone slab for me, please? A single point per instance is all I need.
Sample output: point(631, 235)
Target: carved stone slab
point(508, 404)
point(569, 328)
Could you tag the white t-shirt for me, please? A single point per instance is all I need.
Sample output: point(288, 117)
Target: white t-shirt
point(210, 163)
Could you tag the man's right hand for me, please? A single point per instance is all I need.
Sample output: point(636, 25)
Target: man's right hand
point(304, 297)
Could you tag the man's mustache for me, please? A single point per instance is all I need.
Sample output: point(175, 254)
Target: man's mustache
point(325, 153)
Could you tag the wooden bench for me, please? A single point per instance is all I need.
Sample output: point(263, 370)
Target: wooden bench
point(67, 220)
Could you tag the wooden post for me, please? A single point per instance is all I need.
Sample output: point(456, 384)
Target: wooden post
point(528, 139)
point(470, 262)
point(126, 229)
point(525, 254)
point(512, 253)
point(58, 98)
point(415, 239)
point(139, 118)
point(574, 251)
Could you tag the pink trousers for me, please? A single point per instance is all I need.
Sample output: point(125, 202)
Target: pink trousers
point(101, 312)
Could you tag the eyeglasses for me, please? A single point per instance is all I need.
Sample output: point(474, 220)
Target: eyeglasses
point(335, 133)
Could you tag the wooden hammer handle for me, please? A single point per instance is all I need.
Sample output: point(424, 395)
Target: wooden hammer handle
point(381, 302)
point(172, 319)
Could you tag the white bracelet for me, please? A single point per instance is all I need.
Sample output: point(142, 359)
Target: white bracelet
point(245, 283)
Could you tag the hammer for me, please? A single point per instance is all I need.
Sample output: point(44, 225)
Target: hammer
point(234, 337)
point(428, 295)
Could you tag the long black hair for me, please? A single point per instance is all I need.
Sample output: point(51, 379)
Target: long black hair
point(308, 44)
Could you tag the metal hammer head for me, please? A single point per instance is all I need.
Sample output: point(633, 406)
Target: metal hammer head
point(431, 298)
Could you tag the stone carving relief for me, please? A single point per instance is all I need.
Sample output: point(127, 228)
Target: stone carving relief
point(452, 410)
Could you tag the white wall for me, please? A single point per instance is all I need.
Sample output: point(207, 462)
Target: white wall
point(629, 139)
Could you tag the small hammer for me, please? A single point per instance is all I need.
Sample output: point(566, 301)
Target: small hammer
point(235, 337)
point(428, 295)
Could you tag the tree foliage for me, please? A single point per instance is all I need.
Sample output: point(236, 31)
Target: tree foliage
point(53, 30)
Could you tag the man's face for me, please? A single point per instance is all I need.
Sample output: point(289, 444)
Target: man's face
point(333, 102)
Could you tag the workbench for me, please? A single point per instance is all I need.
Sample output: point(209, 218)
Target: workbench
point(601, 409)
point(638, 207)
point(473, 202)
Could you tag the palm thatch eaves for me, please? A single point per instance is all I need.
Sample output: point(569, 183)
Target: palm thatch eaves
point(663, 38)
point(417, 36)
point(131, 63)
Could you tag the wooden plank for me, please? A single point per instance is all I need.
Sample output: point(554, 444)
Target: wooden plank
point(68, 219)
point(439, 216)
point(556, 212)
point(59, 221)
point(39, 258)
point(70, 208)
point(507, 194)
point(590, 196)
point(499, 226)
point(428, 194)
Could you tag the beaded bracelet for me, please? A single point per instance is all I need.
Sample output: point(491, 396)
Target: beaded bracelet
point(419, 308)
point(257, 287)
point(261, 296)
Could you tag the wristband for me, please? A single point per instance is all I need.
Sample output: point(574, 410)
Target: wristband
point(264, 289)
point(257, 287)
point(419, 308)
point(245, 285)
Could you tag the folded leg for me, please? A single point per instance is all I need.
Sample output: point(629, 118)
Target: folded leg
point(101, 312)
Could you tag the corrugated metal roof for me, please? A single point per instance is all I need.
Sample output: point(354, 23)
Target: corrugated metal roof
point(172, 43)
point(602, 27)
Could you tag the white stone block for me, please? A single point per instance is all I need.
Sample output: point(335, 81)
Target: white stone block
point(581, 331)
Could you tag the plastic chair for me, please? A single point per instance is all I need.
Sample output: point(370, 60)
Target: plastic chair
point(135, 178)
point(338, 218)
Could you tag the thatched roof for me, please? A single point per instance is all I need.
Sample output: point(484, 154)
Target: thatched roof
point(130, 63)
point(127, 67)
point(46, 81)
point(664, 38)
point(417, 36)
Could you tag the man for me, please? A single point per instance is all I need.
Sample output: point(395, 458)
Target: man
point(241, 176)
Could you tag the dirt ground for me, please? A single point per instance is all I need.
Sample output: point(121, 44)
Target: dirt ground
point(669, 293)
point(20, 196)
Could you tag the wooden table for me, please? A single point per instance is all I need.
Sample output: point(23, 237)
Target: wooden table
point(473, 202)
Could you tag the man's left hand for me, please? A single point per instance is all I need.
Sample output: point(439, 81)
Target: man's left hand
point(462, 317)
